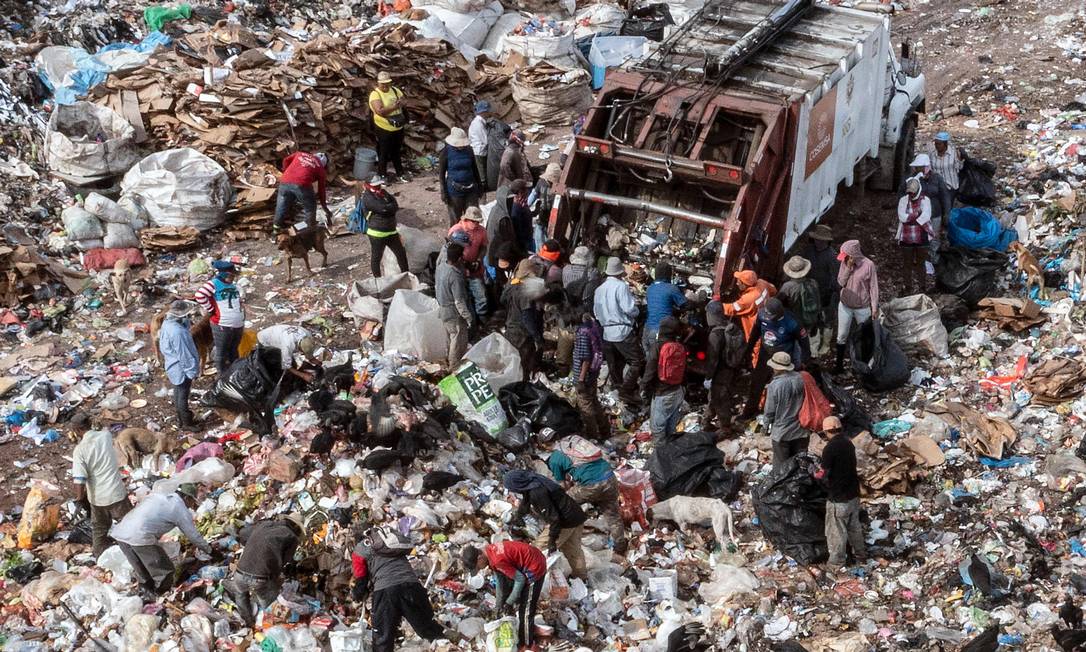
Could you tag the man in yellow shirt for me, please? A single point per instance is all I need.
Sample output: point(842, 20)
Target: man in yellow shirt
point(389, 119)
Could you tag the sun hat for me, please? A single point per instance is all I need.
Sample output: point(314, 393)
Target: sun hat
point(797, 267)
point(614, 267)
point(781, 361)
point(457, 138)
point(822, 232)
point(384, 78)
point(582, 255)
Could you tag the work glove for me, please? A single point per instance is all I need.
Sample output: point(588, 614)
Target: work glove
point(359, 591)
point(707, 384)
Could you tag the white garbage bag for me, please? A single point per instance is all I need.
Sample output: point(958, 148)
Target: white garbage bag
point(494, 45)
point(413, 327)
point(85, 143)
point(212, 472)
point(114, 561)
point(559, 51)
point(419, 245)
point(355, 639)
point(469, 390)
point(120, 236)
point(470, 28)
point(914, 323)
point(727, 581)
point(498, 359)
point(106, 209)
point(81, 224)
point(601, 18)
point(180, 187)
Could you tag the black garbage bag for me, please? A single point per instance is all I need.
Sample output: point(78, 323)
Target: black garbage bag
point(975, 185)
point(250, 387)
point(541, 407)
point(854, 417)
point(791, 506)
point(516, 437)
point(969, 273)
point(81, 532)
point(692, 465)
point(24, 573)
point(648, 21)
point(877, 361)
point(953, 311)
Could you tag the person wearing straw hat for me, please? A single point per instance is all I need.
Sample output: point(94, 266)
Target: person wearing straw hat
point(615, 306)
point(180, 358)
point(269, 548)
point(800, 294)
point(389, 119)
point(824, 267)
point(478, 138)
point(783, 400)
point(470, 227)
point(139, 531)
point(461, 185)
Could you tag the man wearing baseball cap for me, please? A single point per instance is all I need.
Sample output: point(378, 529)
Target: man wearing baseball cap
point(300, 171)
point(387, 103)
point(221, 300)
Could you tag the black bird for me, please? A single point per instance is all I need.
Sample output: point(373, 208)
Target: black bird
point(322, 443)
point(986, 641)
point(380, 460)
point(440, 480)
point(688, 638)
point(320, 399)
point(1070, 613)
point(356, 433)
point(1070, 640)
point(341, 376)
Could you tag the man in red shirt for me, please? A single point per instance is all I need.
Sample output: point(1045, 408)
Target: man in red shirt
point(516, 565)
point(300, 170)
point(474, 250)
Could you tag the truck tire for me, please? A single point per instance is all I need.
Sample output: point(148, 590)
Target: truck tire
point(906, 149)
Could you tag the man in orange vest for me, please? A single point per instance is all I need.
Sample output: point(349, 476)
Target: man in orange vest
point(753, 293)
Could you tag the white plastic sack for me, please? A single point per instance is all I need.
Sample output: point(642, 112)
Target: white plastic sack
point(494, 45)
point(89, 597)
point(915, 325)
point(558, 101)
point(413, 327)
point(498, 359)
point(501, 635)
point(196, 633)
point(469, 390)
point(558, 51)
point(135, 210)
point(419, 245)
point(106, 209)
point(727, 581)
point(139, 632)
point(212, 472)
point(114, 561)
point(85, 143)
point(599, 18)
point(120, 236)
point(81, 225)
point(460, 6)
point(87, 245)
point(180, 187)
point(469, 28)
point(355, 639)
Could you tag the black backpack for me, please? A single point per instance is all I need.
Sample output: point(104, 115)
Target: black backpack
point(735, 344)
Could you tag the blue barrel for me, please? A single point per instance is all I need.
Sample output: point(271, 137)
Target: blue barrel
point(365, 162)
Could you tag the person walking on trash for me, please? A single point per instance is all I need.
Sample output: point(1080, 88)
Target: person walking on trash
point(222, 301)
point(269, 549)
point(519, 570)
point(914, 232)
point(564, 518)
point(783, 401)
point(99, 487)
point(180, 358)
point(838, 473)
point(300, 171)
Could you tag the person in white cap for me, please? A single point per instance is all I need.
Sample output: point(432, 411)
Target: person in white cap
point(379, 207)
point(461, 185)
point(783, 400)
point(937, 192)
point(300, 171)
point(387, 103)
point(615, 306)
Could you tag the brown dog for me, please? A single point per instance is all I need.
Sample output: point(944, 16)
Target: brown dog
point(131, 444)
point(1028, 265)
point(298, 245)
point(201, 335)
point(121, 280)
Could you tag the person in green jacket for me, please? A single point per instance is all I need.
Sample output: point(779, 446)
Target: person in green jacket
point(586, 475)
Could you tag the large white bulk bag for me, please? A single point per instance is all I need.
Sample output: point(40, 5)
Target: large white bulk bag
point(85, 143)
point(180, 187)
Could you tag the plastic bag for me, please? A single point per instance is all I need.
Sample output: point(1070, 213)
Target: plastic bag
point(139, 632)
point(877, 361)
point(854, 418)
point(419, 245)
point(86, 143)
point(969, 274)
point(635, 494)
point(691, 465)
point(413, 327)
point(976, 228)
point(249, 385)
point(81, 224)
point(791, 507)
point(516, 436)
point(114, 561)
point(41, 514)
point(975, 185)
point(815, 407)
point(196, 633)
point(471, 393)
point(120, 236)
point(212, 472)
point(355, 639)
point(916, 326)
point(498, 359)
point(648, 21)
point(469, 28)
point(180, 187)
point(542, 407)
point(727, 582)
point(501, 635)
point(107, 210)
point(560, 100)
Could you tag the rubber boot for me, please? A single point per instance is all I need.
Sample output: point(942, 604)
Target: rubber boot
point(839, 366)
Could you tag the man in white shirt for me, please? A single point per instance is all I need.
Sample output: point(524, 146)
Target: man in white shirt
point(946, 161)
point(139, 531)
point(615, 307)
point(295, 344)
point(98, 483)
point(477, 136)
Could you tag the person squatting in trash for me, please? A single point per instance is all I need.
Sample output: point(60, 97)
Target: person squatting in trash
point(588, 478)
point(99, 487)
point(380, 568)
point(139, 531)
point(838, 473)
point(563, 516)
point(180, 358)
point(587, 362)
point(296, 347)
point(663, 383)
point(300, 171)
point(221, 300)
point(519, 569)
point(269, 548)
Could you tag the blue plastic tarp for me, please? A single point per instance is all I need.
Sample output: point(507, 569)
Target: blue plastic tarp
point(976, 228)
point(72, 79)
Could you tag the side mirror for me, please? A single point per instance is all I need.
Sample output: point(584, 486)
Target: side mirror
point(901, 78)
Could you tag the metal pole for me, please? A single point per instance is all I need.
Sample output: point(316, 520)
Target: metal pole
point(648, 206)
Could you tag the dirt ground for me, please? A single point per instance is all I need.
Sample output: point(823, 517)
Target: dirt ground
point(982, 54)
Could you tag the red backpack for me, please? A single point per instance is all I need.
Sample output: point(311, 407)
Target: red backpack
point(671, 368)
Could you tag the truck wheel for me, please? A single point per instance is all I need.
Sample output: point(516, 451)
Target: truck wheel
point(906, 149)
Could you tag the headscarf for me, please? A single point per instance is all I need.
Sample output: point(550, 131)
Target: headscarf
point(852, 248)
point(521, 481)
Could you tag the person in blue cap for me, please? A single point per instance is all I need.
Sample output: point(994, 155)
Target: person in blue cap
point(221, 300)
point(477, 136)
point(946, 161)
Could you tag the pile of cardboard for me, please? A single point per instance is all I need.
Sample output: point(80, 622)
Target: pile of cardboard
point(24, 272)
point(248, 116)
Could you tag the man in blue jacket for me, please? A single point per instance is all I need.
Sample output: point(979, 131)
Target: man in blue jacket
point(780, 331)
point(179, 357)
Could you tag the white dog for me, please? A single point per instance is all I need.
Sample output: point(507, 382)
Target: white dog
point(686, 510)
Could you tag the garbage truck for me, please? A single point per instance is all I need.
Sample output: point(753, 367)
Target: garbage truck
point(718, 150)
